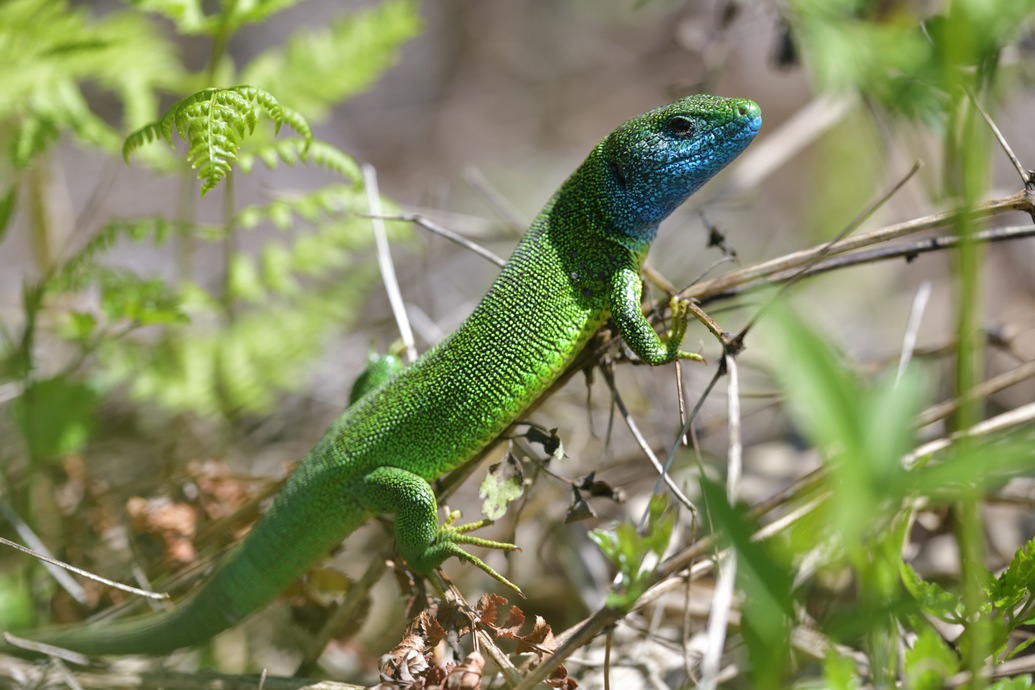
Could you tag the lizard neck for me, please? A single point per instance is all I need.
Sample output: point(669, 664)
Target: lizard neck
point(590, 198)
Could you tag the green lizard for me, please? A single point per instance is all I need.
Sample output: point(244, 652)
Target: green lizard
point(577, 266)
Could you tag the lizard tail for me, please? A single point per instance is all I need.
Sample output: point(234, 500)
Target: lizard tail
point(203, 615)
point(278, 551)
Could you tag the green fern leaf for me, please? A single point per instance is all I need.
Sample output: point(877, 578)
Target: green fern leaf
point(294, 151)
point(187, 15)
point(31, 139)
point(81, 268)
point(145, 135)
point(215, 123)
point(327, 65)
point(7, 202)
point(48, 49)
point(321, 204)
point(300, 293)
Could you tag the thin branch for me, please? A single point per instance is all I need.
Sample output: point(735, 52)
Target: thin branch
point(983, 390)
point(674, 449)
point(1019, 201)
point(1007, 420)
point(905, 251)
point(384, 261)
point(40, 552)
point(722, 601)
point(496, 201)
point(33, 674)
point(432, 227)
point(829, 247)
point(644, 446)
point(84, 573)
point(916, 313)
point(1027, 176)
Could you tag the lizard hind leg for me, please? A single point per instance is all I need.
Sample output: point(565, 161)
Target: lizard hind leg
point(420, 538)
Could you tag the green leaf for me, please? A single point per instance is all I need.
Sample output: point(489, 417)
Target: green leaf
point(255, 11)
point(295, 151)
point(54, 416)
point(660, 523)
point(215, 123)
point(243, 280)
point(189, 17)
point(981, 464)
point(186, 15)
point(504, 484)
point(1017, 582)
point(7, 208)
point(930, 662)
point(32, 139)
point(48, 50)
point(864, 428)
point(628, 551)
point(317, 206)
point(143, 302)
point(16, 605)
point(933, 600)
point(78, 325)
point(327, 65)
point(839, 671)
point(767, 610)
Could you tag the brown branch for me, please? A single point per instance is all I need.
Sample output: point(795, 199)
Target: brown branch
point(1020, 201)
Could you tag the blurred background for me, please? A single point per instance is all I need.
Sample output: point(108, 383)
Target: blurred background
point(477, 118)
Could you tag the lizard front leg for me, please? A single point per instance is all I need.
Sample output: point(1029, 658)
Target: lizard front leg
point(421, 540)
point(626, 292)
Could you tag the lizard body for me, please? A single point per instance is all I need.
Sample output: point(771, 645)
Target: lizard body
point(577, 266)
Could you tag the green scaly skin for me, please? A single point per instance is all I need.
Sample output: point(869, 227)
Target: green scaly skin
point(577, 266)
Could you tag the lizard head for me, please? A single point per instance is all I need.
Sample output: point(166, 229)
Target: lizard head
point(653, 162)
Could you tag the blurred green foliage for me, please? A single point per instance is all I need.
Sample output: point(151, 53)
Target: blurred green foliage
point(195, 349)
point(207, 351)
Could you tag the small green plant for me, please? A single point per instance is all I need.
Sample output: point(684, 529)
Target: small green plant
point(635, 554)
point(217, 351)
point(211, 351)
point(215, 123)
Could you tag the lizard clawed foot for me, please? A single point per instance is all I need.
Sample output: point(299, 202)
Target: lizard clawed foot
point(451, 536)
point(680, 308)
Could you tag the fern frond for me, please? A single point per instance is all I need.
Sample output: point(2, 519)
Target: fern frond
point(329, 201)
point(79, 270)
point(329, 64)
point(7, 201)
point(302, 292)
point(61, 107)
point(215, 123)
point(125, 296)
point(257, 11)
point(294, 151)
point(145, 135)
point(48, 49)
point(31, 139)
point(187, 15)
point(189, 18)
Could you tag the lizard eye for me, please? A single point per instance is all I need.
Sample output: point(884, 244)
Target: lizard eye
point(681, 126)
